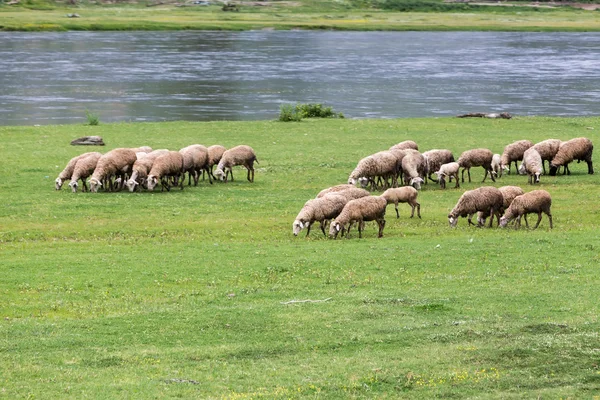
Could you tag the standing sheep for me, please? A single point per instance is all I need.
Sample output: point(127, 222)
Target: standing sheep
point(321, 209)
point(67, 172)
point(508, 195)
point(413, 169)
point(532, 165)
point(547, 149)
point(486, 199)
point(141, 168)
point(407, 144)
point(579, 149)
point(167, 166)
point(370, 208)
point(239, 155)
point(84, 167)
point(406, 194)
point(497, 165)
point(434, 159)
point(195, 160)
point(536, 201)
point(513, 153)
point(215, 152)
point(382, 164)
point(476, 158)
point(449, 170)
point(115, 162)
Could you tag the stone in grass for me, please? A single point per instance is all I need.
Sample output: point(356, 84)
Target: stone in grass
point(88, 141)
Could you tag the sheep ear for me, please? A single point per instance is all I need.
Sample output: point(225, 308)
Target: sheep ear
point(337, 227)
point(301, 225)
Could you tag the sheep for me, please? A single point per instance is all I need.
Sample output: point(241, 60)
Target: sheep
point(407, 144)
point(353, 193)
point(434, 159)
point(448, 170)
point(406, 194)
point(84, 167)
point(141, 168)
point(369, 208)
point(166, 166)
point(334, 189)
point(142, 149)
point(115, 162)
point(497, 165)
point(513, 153)
point(382, 164)
point(195, 159)
point(413, 169)
point(486, 199)
point(400, 154)
point(320, 209)
point(508, 195)
point(476, 158)
point(239, 155)
point(215, 152)
point(579, 149)
point(532, 165)
point(547, 149)
point(67, 172)
point(536, 201)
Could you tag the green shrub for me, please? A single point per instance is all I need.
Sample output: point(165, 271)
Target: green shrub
point(92, 119)
point(288, 112)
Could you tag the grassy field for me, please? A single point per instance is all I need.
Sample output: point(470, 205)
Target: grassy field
point(180, 294)
point(47, 16)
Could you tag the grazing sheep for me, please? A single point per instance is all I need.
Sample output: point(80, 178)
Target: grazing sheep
point(141, 168)
point(476, 158)
point(166, 166)
point(117, 162)
point(413, 169)
point(434, 159)
point(215, 152)
point(239, 155)
point(547, 149)
point(321, 209)
point(449, 170)
point(336, 188)
point(407, 144)
point(579, 149)
point(382, 164)
point(84, 167)
point(513, 153)
point(497, 165)
point(536, 201)
point(532, 165)
point(486, 199)
point(195, 159)
point(406, 194)
point(68, 171)
point(508, 195)
point(370, 208)
point(400, 154)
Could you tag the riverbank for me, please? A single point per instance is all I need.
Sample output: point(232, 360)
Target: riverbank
point(165, 17)
point(190, 294)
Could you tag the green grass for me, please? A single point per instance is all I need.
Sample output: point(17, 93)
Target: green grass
point(179, 294)
point(52, 16)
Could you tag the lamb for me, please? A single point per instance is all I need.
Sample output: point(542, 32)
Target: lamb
point(141, 168)
point(434, 159)
point(497, 165)
point(239, 155)
point(84, 167)
point(486, 199)
point(370, 208)
point(68, 171)
point(406, 194)
point(476, 158)
point(407, 144)
point(513, 153)
point(166, 166)
point(115, 162)
point(448, 170)
point(215, 152)
point(547, 149)
point(195, 159)
point(413, 169)
point(536, 201)
point(579, 149)
point(334, 189)
point(508, 195)
point(532, 165)
point(321, 209)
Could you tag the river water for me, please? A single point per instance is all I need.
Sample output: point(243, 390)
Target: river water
point(48, 78)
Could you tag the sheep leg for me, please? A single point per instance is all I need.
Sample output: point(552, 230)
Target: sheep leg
point(463, 175)
point(566, 170)
point(469, 218)
point(308, 228)
point(550, 218)
point(457, 184)
point(442, 183)
point(491, 175)
point(209, 173)
point(361, 227)
point(397, 213)
point(381, 223)
point(196, 177)
point(469, 173)
point(485, 176)
point(418, 210)
point(526, 223)
point(323, 226)
point(231, 173)
point(183, 179)
point(590, 167)
point(252, 176)
point(518, 222)
point(432, 179)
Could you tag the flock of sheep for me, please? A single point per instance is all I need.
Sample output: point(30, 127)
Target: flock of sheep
point(345, 205)
point(143, 167)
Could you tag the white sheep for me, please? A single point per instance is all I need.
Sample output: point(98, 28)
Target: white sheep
point(321, 209)
point(536, 201)
point(413, 169)
point(476, 158)
point(434, 159)
point(532, 165)
point(497, 165)
point(67, 172)
point(84, 167)
point(547, 149)
point(369, 208)
point(239, 155)
point(195, 160)
point(486, 199)
point(405, 194)
point(215, 152)
point(166, 166)
point(449, 170)
point(508, 195)
point(141, 168)
point(579, 149)
point(513, 153)
point(117, 162)
point(379, 165)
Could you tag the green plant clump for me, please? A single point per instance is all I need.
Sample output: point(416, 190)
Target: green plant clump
point(296, 113)
point(92, 118)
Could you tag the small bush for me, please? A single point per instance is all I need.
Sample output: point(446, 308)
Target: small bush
point(306, 110)
point(287, 113)
point(92, 119)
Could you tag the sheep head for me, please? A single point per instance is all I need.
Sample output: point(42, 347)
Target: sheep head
point(73, 185)
point(131, 184)
point(152, 182)
point(94, 185)
point(452, 219)
point(219, 174)
point(416, 182)
point(335, 228)
point(297, 226)
point(352, 181)
point(503, 221)
point(58, 183)
point(536, 177)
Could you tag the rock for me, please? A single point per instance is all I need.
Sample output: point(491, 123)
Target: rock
point(88, 141)
point(74, 15)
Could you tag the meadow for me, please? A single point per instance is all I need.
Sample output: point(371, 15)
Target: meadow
point(188, 293)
